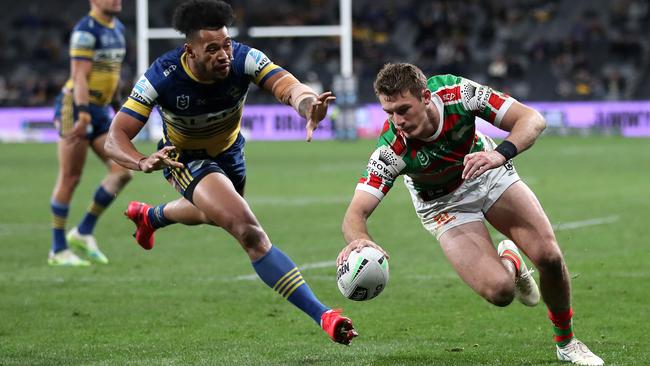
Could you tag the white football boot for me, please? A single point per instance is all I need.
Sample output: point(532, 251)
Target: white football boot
point(526, 290)
point(66, 258)
point(87, 245)
point(577, 353)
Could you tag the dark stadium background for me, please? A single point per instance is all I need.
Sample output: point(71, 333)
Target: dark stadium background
point(533, 49)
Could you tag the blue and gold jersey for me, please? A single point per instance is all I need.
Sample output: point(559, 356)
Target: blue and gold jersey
point(102, 43)
point(199, 116)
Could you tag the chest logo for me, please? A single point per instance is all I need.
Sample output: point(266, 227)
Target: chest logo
point(423, 158)
point(182, 101)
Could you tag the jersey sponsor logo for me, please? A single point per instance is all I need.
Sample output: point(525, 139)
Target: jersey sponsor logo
point(202, 120)
point(509, 167)
point(443, 219)
point(138, 96)
point(143, 91)
point(110, 54)
point(82, 39)
point(182, 101)
point(474, 96)
point(262, 65)
point(255, 62)
point(385, 164)
point(448, 97)
point(169, 70)
point(256, 54)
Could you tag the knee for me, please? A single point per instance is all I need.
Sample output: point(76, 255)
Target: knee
point(251, 236)
point(123, 177)
point(501, 293)
point(550, 261)
point(70, 180)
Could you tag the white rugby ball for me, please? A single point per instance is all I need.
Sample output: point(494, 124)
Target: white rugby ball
point(363, 275)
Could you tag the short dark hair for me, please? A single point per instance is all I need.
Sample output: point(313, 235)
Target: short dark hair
point(194, 15)
point(396, 78)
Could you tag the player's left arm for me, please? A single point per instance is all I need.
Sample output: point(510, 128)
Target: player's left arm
point(309, 105)
point(525, 124)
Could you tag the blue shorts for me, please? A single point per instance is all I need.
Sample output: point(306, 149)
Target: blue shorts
point(65, 116)
point(198, 164)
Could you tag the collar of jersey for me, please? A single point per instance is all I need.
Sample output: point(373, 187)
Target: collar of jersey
point(439, 106)
point(189, 73)
point(94, 15)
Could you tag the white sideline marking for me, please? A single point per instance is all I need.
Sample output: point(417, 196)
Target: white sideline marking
point(584, 223)
point(562, 226)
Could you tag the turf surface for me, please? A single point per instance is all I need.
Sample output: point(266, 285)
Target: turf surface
point(191, 300)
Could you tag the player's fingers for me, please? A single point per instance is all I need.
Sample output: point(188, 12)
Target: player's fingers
point(171, 163)
point(324, 96)
point(167, 149)
point(469, 169)
point(468, 158)
point(343, 256)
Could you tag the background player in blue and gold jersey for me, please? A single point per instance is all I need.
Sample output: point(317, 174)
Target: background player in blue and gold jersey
point(200, 91)
point(97, 48)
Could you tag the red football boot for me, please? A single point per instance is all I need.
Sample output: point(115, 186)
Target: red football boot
point(338, 327)
point(137, 212)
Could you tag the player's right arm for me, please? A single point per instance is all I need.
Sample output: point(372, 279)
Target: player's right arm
point(384, 166)
point(125, 126)
point(355, 225)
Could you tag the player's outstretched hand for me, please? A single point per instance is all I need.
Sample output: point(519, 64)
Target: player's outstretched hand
point(358, 245)
point(317, 112)
point(159, 160)
point(480, 162)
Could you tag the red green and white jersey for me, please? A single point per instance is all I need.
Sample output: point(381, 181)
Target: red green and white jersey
point(434, 166)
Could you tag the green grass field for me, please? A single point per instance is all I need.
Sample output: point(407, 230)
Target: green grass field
point(191, 301)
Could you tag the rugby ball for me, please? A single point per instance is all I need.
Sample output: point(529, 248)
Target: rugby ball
point(363, 275)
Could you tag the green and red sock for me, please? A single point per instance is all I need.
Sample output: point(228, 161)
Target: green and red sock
point(562, 327)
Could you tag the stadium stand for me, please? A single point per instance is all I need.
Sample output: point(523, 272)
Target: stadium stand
point(533, 49)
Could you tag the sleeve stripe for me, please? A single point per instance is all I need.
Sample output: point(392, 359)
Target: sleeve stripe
point(135, 115)
point(78, 52)
point(502, 111)
point(373, 191)
point(268, 69)
point(138, 107)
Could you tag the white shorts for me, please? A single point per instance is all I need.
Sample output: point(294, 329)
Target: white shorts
point(469, 202)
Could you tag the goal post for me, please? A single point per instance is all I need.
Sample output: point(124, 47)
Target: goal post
point(344, 82)
point(342, 30)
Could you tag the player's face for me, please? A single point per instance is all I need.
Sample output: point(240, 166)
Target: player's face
point(212, 52)
point(410, 115)
point(110, 7)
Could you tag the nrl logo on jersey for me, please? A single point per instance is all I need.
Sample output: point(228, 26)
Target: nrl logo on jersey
point(423, 158)
point(182, 102)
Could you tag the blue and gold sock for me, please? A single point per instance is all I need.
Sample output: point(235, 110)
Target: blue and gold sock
point(157, 217)
point(101, 200)
point(280, 273)
point(59, 217)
